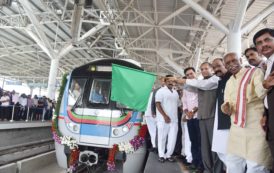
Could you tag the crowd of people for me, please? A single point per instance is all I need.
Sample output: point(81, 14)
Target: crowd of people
point(24, 107)
point(228, 116)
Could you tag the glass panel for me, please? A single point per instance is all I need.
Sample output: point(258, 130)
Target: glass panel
point(100, 91)
point(75, 91)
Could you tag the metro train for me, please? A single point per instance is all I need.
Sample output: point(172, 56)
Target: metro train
point(94, 123)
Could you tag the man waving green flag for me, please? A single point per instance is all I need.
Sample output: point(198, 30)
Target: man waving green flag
point(131, 87)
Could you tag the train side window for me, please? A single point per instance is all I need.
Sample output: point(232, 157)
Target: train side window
point(75, 91)
point(100, 91)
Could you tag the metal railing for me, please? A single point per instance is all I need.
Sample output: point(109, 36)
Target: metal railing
point(19, 113)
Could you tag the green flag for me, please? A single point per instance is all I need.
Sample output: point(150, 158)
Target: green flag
point(131, 87)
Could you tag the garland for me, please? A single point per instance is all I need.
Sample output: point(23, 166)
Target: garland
point(57, 135)
point(129, 147)
point(111, 157)
point(74, 157)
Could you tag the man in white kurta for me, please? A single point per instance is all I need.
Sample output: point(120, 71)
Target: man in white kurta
point(247, 146)
point(167, 103)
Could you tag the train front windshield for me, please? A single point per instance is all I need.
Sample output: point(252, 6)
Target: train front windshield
point(92, 94)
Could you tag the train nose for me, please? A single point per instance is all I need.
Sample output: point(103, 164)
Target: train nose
point(88, 157)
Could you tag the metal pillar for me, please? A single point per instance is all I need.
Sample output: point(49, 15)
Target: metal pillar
point(234, 42)
point(52, 78)
point(3, 84)
point(31, 90)
point(197, 58)
point(40, 88)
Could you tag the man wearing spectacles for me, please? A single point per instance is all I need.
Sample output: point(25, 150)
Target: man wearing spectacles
point(264, 42)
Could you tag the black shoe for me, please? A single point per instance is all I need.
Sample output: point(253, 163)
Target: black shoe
point(192, 167)
point(161, 159)
point(200, 170)
point(171, 159)
point(151, 149)
point(183, 160)
point(154, 150)
point(186, 163)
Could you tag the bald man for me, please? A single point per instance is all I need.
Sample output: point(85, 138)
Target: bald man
point(243, 101)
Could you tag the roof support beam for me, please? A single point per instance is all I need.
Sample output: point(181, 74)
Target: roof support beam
point(139, 12)
point(128, 5)
point(250, 25)
point(150, 25)
point(142, 35)
point(39, 42)
point(240, 14)
point(167, 57)
point(98, 37)
point(215, 22)
point(76, 24)
point(43, 38)
point(70, 46)
point(175, 13)
point(177, 41)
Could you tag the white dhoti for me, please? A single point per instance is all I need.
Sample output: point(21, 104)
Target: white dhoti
point(186, 149)
point(220, 139)
point(237, 164)
point(166, 133)
point(152, 128)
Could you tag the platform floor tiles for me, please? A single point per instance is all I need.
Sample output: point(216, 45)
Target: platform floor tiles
point(154, 166)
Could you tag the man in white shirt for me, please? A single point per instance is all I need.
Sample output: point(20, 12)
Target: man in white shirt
point(23, 101)
point(167, 103)
point(264, 42)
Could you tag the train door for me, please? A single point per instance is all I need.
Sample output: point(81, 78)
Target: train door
point(96, 114)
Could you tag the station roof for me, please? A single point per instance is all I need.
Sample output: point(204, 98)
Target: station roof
point(160, 34)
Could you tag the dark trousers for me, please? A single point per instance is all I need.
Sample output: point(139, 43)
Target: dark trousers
point(16, 115)
point(271, 146)
point(23, 112)
point(38, 114)
point(5, 112)
point(211, 161)
point(178, 146)
point(270, 134)
point(195, 138)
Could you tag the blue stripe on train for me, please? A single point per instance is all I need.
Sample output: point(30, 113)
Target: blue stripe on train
point(102, 130)
point(95, 130)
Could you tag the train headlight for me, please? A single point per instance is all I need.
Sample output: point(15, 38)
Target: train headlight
point(93, 68)
point(75, 128)
point(115, 132)
point(121, 130)
point(125, 129)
